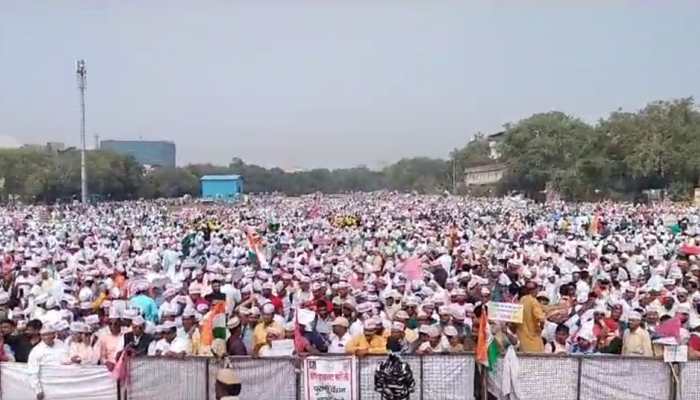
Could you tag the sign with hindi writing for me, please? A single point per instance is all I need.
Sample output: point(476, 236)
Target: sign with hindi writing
point(675, 354)
point(330, 378)
point(506, 312)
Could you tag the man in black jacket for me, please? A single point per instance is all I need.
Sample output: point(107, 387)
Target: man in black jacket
point(137, 341)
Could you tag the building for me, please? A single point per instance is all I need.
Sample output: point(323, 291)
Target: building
point(484, 174)
point(148, 153)
point(221, 187)
point(491, 172)
point(494, 140)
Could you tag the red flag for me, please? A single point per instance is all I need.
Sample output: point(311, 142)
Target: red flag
point(670, 328)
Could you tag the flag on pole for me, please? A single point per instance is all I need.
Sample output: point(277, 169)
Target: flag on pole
point(214, 324)
point(486, 349)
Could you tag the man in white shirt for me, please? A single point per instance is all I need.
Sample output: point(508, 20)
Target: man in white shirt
point(172, 345)
point(340, 336)
point(47, 352)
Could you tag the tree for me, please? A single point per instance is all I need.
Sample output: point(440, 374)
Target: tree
point(657, 145)
point(546, 148)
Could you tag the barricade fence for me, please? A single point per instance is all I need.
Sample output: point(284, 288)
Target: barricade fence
point(437, 377)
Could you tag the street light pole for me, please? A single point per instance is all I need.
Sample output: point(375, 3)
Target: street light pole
point(81, 72)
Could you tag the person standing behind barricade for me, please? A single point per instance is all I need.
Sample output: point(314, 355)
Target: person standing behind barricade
point(79, 350)
point(234, 344)
point(145, 303)
point(370, 342)
point(137, 341)
point(22, 343)
point(48, 352)
point(249, 320)
point(530, 330)
point(109, 343)
point(260, 332)
point(172, 345)
point(339, 337)
point(636, 340)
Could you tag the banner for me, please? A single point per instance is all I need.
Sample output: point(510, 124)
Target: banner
point(506, 312)
point(60, 382)
point(330, 378)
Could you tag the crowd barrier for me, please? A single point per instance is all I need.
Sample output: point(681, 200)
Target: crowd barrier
point(59, 383)
point(438, 377)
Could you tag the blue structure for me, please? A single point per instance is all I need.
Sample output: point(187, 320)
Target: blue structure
point(153, 153)
point(221, 187)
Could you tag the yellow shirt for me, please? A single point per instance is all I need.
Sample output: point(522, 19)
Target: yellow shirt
point(376, 345)
point(410, 335)
point(637, 343)
point(530, 331)
point(260, 333)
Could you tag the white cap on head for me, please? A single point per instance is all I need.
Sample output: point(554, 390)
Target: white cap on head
point(634, 315)
point(47, 328)
point(340, 321)
point(450, 331)
point(268, 308)
point(233, 323)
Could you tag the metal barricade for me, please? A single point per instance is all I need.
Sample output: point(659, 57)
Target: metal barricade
point(615, 377)
point(168, 378)
point(447, 376)
point(542, 377)
point(689, 381)
point(437, 377)
point(261, 378)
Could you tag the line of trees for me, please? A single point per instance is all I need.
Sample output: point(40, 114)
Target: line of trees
point(34, 176)
point(656, 147)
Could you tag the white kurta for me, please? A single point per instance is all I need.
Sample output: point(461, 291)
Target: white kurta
point(41, 356)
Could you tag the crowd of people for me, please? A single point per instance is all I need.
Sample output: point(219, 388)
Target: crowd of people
point(398, 273)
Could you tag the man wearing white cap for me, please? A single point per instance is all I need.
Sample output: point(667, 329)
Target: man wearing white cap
point(636, 340)
point(372, 341)
point(79, 350)
point(172, 345)
point(110, 342)
point(339, 337)
point(137, 341)
point(260, 332)
point(145, 303)
point(48, 352)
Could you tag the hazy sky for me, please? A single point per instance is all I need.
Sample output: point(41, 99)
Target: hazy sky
point(332, 83)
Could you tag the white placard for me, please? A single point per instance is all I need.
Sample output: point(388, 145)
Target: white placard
point(281, 348)
point(330, 378)
point(506, 312)
point(675, 354)
point(305, 317)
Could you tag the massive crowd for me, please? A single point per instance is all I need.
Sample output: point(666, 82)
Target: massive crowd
point(358, 274)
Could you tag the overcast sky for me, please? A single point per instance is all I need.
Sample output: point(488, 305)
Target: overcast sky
point(325, 83)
